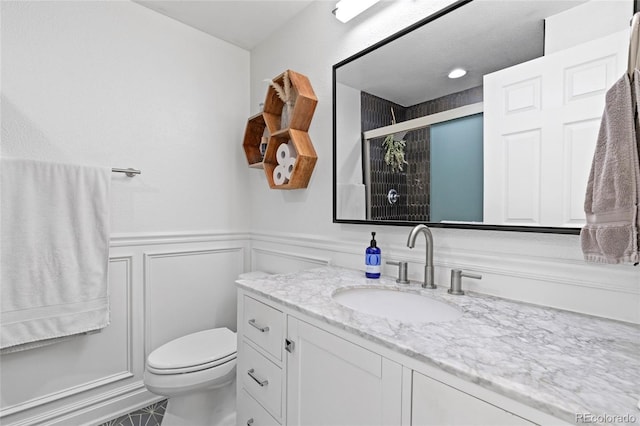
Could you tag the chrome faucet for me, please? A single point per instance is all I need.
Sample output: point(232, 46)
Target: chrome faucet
point(428, 267)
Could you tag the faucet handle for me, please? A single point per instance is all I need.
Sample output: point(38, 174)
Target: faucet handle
point(456, 280)
point(403, 268)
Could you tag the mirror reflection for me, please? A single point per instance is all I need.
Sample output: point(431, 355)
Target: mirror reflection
point(508, 142)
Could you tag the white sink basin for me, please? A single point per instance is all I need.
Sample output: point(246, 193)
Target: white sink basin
point(398, 305)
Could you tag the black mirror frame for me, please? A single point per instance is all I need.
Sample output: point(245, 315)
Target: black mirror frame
point(432, 17)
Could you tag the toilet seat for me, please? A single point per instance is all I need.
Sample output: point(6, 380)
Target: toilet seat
point(194, 352)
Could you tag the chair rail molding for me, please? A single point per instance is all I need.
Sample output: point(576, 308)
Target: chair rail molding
point(550, 277)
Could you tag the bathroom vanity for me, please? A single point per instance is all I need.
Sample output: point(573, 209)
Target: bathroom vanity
point(304, 358)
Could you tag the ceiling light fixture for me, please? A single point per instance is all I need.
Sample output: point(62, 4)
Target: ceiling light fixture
point(457, 73)
point(348, 9)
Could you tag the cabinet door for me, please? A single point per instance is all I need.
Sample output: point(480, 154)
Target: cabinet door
point(331, 381)
point(434, 403)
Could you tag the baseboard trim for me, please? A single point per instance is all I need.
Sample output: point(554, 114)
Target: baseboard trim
point(47, 399)
point(76, 410)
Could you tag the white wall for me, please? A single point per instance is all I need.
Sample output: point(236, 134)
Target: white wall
point(349, 154)
point(589, 21)
point(351, 202)
point(297, 225)
point(112, 83)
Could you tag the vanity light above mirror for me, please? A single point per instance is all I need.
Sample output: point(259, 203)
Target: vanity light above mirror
point(346, 10)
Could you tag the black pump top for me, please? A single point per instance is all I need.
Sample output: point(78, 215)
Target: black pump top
point(373, 240)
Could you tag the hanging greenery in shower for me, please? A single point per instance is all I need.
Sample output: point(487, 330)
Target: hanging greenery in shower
point(394, 149)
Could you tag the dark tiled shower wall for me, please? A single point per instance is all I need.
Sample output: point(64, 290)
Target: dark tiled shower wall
point(417, 154)
point(376, 112)
point(413, 182)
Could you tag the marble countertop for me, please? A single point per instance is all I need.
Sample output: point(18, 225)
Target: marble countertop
point(558, 362)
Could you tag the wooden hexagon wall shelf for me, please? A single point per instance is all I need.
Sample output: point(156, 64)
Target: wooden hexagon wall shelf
point(304, 105)
point(296, 172)
point(253, 134)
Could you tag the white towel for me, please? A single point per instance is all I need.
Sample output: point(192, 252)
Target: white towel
point(613, 189)
point(55, 251)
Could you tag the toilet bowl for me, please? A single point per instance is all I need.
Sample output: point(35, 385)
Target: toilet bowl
point(197, 373)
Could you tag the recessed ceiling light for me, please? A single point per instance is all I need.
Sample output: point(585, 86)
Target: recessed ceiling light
point(457, 73)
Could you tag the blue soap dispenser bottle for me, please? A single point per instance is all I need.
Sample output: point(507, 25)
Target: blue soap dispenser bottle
point(373, 258)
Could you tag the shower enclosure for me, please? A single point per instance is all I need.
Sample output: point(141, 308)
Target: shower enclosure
point(443, 160)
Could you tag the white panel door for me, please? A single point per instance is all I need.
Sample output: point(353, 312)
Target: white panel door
point(522, 177)
point(331, 381)
point(548, 110)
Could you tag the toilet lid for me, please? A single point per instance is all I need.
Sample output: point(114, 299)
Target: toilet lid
point(203, 349)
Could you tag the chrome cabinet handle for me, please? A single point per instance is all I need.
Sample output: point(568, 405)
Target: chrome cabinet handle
point(257, 380)
point(250, 422)
point(252, 322)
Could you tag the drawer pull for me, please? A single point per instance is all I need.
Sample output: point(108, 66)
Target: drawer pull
point(258, 381)
point(250, 422)
point(253, 324)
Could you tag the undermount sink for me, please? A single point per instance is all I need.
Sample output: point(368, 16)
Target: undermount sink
point(398, 305)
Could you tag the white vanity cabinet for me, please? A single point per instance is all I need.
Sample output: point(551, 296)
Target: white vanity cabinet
point(435, 404)
point(320, 375)
point(331, 381)
point(259, 368)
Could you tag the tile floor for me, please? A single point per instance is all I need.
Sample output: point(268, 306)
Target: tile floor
point(147, 416)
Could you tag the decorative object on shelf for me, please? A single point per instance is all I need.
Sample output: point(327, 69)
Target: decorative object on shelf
point(302, 108)
point(291, 153)
point(263, 145)
point(287, 95)
point(394, 145)
point(286, 159)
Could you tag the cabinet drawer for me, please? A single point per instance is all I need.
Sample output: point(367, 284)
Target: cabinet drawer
point(251, 413)
point(261, 378)
point(263, 325)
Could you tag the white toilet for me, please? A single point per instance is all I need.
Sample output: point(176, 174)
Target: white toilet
point(197, 373)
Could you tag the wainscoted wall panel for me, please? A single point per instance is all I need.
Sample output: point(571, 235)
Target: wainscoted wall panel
point(39, 377)
point(190, 290)
point(556, 280)
point(166, 280)
point(276, 261)
point(160, 286)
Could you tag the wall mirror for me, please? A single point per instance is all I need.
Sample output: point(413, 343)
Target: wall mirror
point(507, 146)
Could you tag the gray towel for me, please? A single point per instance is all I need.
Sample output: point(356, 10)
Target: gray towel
point(611, 203)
